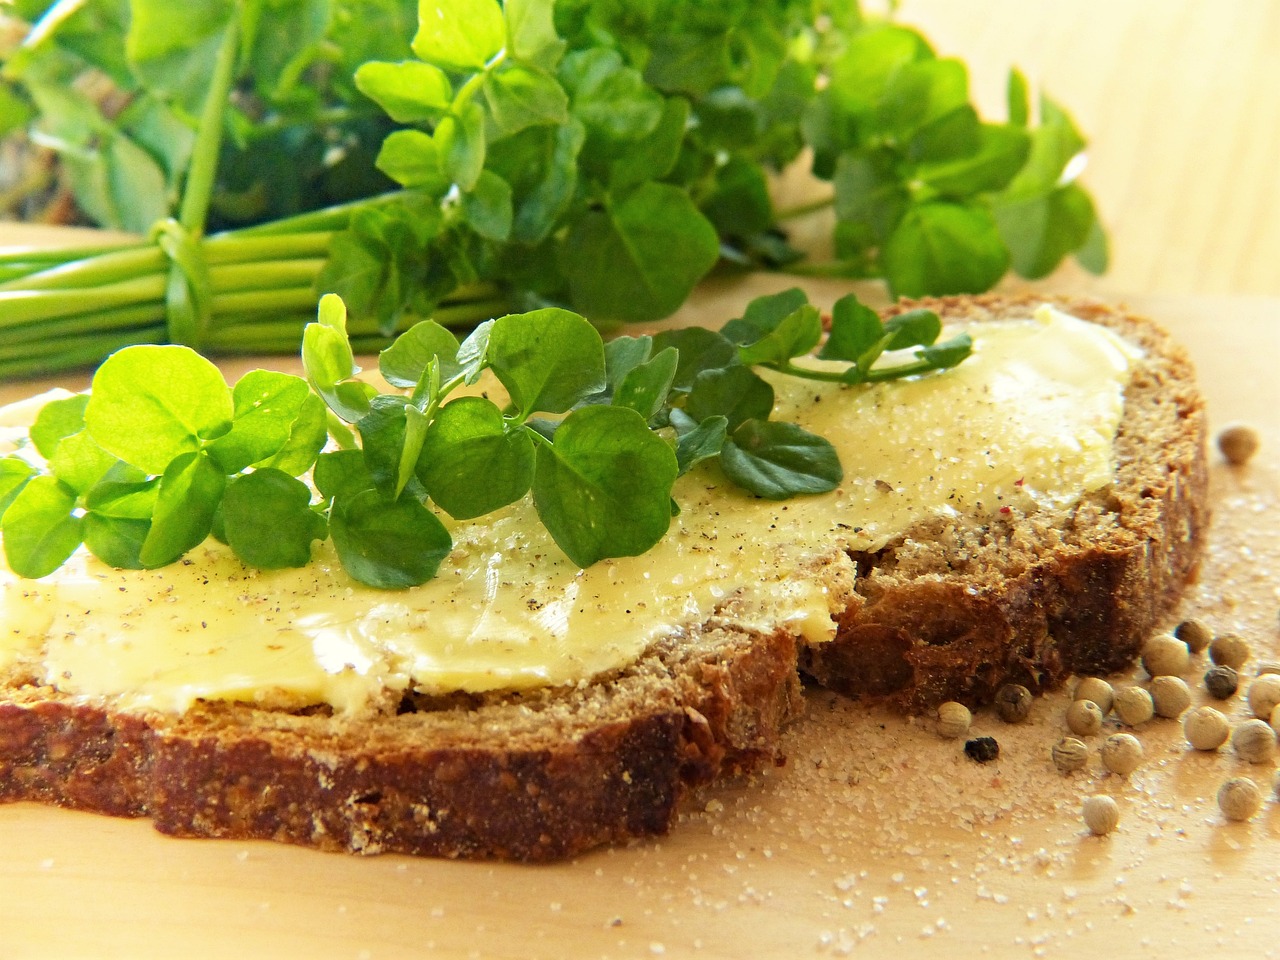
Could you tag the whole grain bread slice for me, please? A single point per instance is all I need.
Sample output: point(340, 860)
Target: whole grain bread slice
point(954, 610)
point(949, 610)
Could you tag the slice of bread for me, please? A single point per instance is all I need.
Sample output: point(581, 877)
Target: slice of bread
point(954, 610)
point(949, 610)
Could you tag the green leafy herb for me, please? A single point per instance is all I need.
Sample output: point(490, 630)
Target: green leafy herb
point(162, 453)
point(599, 157)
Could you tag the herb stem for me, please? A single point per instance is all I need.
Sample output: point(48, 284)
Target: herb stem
point(804, 209)
point(203, 168)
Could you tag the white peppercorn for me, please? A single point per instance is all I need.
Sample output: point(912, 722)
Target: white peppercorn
point(1097, 690)
point(1238, 443)
point(1275, 785)
point(1171, 696)
point(953, 720)
point(1013, 703)
point(1239, 798)
point(1121, 753)
point(1195, 633)
point(1070, 754)
point(1084, 718)
point(1165, 655)
point(1268, 666)
point(1255, 741)
point(1275, 720)
point(1229, 650)
point(1205, 728)
point(1264, 695)
point(1134, 706)
point(1221, 682)
point(1101, 815)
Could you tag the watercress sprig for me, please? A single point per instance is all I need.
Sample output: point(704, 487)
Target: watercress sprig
point(162, 453)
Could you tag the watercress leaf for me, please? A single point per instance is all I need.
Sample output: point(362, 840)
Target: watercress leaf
point(403, 363)
point(1017, 98)
point(869, 193)
point(797, 334)
point(459, 35)
point(1094, 254)
point(855, 329)
point(645, 388)
point(307, 437)
point(124, 500)
point(869, 60)
point(1041, 230)
point(950, 137)
point(524, 96)
point(700, 349)
point(918, 95)
point(624, 354)
point(14, 474)
point(947, 354)
point(1000, 154)
point(473, 352)
point(739, 206)
point(412, 159)
point(342, 474)
point(188, 494)
point(387, 544)
point(603, 489)
point(653, 156)
point(460, 140)
point(329, 362)
point(409, 92)
point(136, 184)
point(268, 521)
point(472, 461)
point(639, 258)
point(610, 98)
point(150, 404)
point(763, 315)
point(547, 359)
point(58, 419)
point(912, 328)
point(487, 207)
point(541, 164)
point(737, 393)
point(693, 63)
point(79, 462)
point(40, 529)
point(531, 31)
point(943, 248)
point(382, 435)
point(1054, 144)
point(702, 442)
point(174, 56)
point(777, 460)
point(116, 541)
point(266, 406)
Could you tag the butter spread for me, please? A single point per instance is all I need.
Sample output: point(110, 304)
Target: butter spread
point(1028, 421)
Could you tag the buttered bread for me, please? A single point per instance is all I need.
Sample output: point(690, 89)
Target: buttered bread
point(1031, 513)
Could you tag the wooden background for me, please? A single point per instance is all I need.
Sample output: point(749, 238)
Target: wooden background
point(875, 839)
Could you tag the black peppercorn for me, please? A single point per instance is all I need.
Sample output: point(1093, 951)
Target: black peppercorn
point(1013, 703)
point(1222, 682)
point(982, 749)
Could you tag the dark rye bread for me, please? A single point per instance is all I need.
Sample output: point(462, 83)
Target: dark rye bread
point(948, 611)
point(953, 610)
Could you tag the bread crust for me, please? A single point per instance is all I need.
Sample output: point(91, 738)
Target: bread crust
point(946, 612)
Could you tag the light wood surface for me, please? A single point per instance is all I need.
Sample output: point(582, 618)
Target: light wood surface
point(876, 838)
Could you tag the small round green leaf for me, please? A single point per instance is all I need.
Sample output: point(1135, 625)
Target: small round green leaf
point(388, 544)
point(268, 521)
point(778, 460)
point(149, 404)
point(40, 528)
point(548, 359)
point(459, 35)
point(189, 493)
point(471, 462)
point(603, 489)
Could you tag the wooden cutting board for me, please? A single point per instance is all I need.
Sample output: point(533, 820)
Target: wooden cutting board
point(876, 838)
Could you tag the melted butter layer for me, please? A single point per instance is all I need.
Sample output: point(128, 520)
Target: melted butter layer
point(1028, 420)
